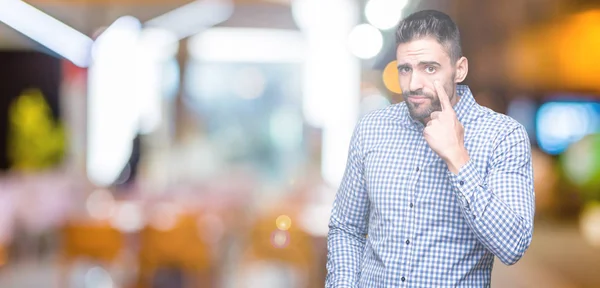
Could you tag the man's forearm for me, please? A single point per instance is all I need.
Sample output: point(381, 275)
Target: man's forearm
point(345, 248)
point(504, 231)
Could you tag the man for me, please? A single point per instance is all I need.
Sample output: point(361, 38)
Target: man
point(435, 186)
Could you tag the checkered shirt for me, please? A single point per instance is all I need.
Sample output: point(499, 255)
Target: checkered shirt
point(402, 219)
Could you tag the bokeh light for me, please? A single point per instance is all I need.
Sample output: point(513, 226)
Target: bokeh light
point(128, 217)
point(165, 216)
point(590, 223)
point(97, 277)
point(283, 222)
point(365, 41)
point(384, 14)
point(559, 124)
point(581, 163)
point(100, 204)
point(391, 77)
point(280, 239)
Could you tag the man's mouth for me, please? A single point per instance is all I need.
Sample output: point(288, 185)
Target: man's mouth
point(417, 99)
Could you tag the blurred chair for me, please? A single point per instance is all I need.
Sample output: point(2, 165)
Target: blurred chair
point(96, 241)
point(177, 248)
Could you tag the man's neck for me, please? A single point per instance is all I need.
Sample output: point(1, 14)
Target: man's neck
point(455, 99)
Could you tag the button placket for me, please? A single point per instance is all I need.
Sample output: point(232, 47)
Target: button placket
point(411, 227)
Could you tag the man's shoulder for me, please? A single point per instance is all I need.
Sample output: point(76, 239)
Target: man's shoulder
point(496, 123)
point(389, 115)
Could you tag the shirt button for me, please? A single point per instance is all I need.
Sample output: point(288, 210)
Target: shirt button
point(461, 182)
point(403, 279)
point(417, 169)
point(407, 242)
point(411, 205)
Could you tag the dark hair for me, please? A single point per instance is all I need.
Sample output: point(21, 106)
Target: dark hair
point(431, 23)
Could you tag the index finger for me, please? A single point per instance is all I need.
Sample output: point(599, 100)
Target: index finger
point(443, 96)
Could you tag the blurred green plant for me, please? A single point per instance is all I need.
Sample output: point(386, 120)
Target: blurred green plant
point(35, 140)
point(581, 166)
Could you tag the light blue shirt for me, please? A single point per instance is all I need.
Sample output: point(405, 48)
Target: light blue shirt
point(402, 219)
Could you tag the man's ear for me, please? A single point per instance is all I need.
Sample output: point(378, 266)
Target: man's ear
point(462, 69)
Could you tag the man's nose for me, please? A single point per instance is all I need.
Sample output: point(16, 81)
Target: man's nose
point(416, 82)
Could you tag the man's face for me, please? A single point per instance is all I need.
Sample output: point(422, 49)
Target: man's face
point(420, 62)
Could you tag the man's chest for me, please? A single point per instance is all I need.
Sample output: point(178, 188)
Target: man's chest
point(405, 177)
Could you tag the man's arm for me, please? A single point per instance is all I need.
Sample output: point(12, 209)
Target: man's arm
point(348, 223)
point(500, 210)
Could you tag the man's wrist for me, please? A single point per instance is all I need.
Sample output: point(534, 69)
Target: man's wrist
point(457, 160)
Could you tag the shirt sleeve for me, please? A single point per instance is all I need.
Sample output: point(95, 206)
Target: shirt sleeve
point(499, 206)
point(348, 222)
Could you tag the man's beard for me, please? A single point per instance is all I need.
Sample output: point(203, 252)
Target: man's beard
point(416, 110)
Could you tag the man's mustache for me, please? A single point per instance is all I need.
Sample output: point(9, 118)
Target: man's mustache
point(418, 92)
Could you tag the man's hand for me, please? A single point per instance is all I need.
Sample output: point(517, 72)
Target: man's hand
point(445, 134)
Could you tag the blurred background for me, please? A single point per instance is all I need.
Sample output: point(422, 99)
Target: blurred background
point(149, 143)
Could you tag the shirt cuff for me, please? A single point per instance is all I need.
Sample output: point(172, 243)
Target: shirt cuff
point(467, 182)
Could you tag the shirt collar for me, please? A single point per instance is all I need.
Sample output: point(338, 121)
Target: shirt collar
point(463, 108)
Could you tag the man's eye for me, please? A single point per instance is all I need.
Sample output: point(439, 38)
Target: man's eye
point(404, 69)
point(430, 69)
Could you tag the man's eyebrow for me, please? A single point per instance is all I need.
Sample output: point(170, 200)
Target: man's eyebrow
point(422, 63)
point(433, 63)
point(404, 65)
